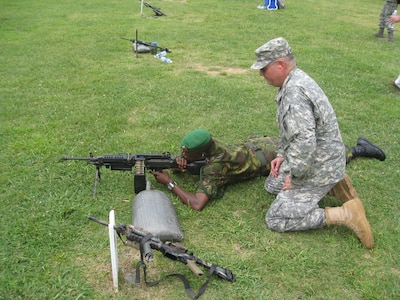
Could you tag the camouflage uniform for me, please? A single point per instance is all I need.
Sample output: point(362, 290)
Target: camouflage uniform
point(311, 143)
point(230, 164)
point(387, 10)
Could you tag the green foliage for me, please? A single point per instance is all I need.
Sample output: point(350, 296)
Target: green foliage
point(70, 85)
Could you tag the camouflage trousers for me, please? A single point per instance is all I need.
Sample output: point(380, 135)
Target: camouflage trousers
point(296, 209)
point(386, 12)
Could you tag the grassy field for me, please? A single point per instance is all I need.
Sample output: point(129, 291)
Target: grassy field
point(69, 86)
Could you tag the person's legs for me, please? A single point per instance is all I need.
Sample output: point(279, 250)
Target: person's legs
point(273, 185)
point(381, 23)
point(297, 209)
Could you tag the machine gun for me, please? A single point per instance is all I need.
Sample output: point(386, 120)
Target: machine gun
point(141, 162)
point(146, 44)
point(147, 242)
point(156, 10)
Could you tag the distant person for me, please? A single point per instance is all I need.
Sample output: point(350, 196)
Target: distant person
point(272, 4)
point(396, 82)
point(311, 160)
point(387, 10)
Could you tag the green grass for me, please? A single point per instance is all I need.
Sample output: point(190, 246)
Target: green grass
point(70, 85)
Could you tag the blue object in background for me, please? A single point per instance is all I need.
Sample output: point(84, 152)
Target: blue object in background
point(271, 4)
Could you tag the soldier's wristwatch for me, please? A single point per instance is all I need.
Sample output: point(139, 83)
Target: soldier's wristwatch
point(171, 185)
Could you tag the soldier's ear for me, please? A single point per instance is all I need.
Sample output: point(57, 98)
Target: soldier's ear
point(281, 64)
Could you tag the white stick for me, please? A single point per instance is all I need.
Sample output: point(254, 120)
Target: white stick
point(113, 249)
point(141, 8)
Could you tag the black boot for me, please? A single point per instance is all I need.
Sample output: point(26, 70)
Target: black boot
point(365, 148)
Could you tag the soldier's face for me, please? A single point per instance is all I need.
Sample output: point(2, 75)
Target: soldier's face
point(272, 73)
point(191, 156)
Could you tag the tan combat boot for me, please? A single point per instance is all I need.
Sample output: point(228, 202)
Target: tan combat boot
point(344, 190)
point(352, 215)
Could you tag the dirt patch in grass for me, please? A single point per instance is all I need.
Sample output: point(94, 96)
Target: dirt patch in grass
point(220, 70)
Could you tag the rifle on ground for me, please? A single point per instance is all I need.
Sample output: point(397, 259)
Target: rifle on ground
point(146, 44)
point(147, 242)
point(141, 162)
point(157, 11)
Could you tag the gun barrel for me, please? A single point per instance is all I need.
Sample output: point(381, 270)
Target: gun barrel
point(74, 158)
point(131, 40)
point(93, 218)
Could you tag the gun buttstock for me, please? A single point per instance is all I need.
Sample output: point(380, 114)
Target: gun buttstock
point(194, 268)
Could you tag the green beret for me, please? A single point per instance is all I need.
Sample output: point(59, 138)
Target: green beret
point(196, 139)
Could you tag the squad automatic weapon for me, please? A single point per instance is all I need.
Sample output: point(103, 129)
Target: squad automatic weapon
point(141, 163)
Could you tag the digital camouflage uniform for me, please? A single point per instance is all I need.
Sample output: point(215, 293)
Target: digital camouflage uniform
point(387, 10)
point(311, 143)
point(230, 164)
